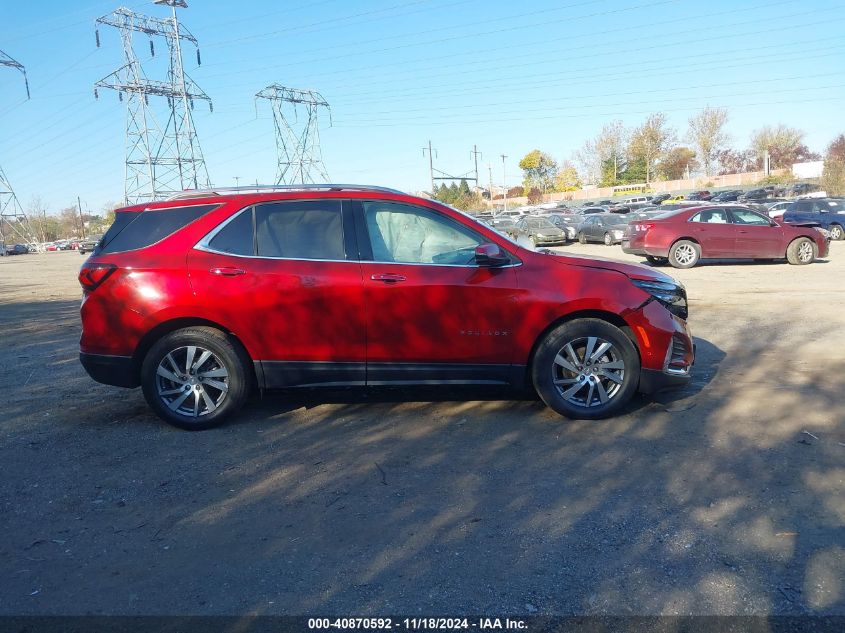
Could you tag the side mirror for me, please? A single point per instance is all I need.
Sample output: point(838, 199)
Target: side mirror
point(490, 255)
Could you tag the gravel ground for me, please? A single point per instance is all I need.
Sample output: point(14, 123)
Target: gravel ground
point(725, 498)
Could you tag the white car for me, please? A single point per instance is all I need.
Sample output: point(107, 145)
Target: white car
point(779, 208)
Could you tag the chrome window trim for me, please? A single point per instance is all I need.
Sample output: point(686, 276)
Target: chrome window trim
point(203, 245)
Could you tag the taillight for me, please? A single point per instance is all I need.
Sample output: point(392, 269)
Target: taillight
point(92, 275)
point(642, 227)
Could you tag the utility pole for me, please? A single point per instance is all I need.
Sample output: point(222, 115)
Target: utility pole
point(12, 216)
point(300, 158)
point(430, 166)
point(160, 160)
point(237, 180)
point(490, 185)
point(81, 220)
point(504, 181)
point(475, 154)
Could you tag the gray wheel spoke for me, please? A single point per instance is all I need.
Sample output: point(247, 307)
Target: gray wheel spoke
point(560, 360)
point(209, 403)
point(203, 357)
point(616, 364)
point(600, 351)
point(589, 399)
point(196, 402)
point(173, 365)
point(573, 357)
point(591, 344)
point(614, 377)
point(573, 390)
point(214, 373)
point(189, 358)
point(178, 401)
point(161, 371)
point(566, 381)
point(222, 386)
point(602, 392)
point(171, 392)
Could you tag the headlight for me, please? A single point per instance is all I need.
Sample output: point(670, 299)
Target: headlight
point(671, 295)
point(618, 233)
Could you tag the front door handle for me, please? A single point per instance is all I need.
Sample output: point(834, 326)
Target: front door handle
point(388, 278)
point(227, 271)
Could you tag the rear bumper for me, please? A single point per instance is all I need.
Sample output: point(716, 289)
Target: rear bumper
point(119, 371)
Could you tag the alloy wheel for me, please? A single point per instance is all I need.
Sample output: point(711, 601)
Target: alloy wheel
point(805, 252)
point(685, 254)
point(192, 381)
point(588, 371)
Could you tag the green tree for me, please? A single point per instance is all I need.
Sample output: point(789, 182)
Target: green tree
point(708, 136)
point(785, 146)
point(567, 178)
point(539, 170)
point(833, 174)
point(649, 143)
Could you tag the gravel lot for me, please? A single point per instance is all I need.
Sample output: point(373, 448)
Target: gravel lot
point(725, 498)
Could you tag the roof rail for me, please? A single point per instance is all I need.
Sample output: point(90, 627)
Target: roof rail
point(216, 191)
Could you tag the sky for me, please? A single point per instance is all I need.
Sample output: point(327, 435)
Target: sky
point(504, 77)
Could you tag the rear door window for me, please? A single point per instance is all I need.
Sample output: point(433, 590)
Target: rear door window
point(310, 229)
point(149, 226)
point(237, 237)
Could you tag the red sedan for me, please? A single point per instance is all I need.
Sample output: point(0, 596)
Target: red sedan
point(686, 236)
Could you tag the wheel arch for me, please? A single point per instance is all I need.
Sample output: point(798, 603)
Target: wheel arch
point(171, 325)
point(602, 315)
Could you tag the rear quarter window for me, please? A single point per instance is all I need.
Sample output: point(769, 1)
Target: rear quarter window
point(146, 228)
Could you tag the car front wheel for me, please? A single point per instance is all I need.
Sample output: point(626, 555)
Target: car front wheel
point(836, 232)
point(801, 251)
point(684, 254)
point(195, 378)
point(608, 240)
point(582, 239)
point(586, 369)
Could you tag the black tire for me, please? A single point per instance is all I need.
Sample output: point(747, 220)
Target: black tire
point(608, 239)
point(582, 239)
point(202, 390)
point(585, 402)
point(656, 261)
point(684, 254)
point(837, 233)
point(801, 251)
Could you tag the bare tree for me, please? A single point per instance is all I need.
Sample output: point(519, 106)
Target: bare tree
point(706, 133)
point(603, 158)
point(37, 213)
point(785, 144)
point(650, 141)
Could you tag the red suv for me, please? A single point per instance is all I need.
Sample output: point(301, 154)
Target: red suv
point(206, 296)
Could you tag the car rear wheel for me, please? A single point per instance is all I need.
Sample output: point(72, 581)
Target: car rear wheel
point(801, 251)
point(836, 232)
point(195, 378)
point(586, 369)
point(684, 254)
point(582, 239)
point(608, 240)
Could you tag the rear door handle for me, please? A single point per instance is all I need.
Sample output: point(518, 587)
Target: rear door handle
point(227, 271)
point(388, 278)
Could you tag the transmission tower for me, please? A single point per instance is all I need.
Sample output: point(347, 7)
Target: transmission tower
point(297, 143)
point(160, 160)
point(13, 220)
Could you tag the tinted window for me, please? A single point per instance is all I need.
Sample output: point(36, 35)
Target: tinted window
point(300, 230)
point(803, 206)
point(121, 221)
point(152, 226)
point(237, 237)
point(409, 234)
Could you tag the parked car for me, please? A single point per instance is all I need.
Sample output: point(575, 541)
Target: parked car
point(568, 223)
point(730, 195)
point(685, 237)
point(754, 194)
point(802, 189)
point(699, 195)
point(590, 210)
point(607, 228)
point(537, 231)
point(777, 209)
point(16, 249)
point(222, 293)
point(660, 197)
point(828, 213)
point(89, 244)
point(51, 247)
